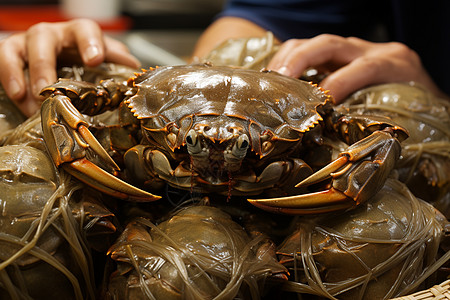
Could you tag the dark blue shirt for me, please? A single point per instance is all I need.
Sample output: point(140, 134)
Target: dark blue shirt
point(423, 25)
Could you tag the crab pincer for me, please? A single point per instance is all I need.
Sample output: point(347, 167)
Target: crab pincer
point(69, 143)
point(356, 175)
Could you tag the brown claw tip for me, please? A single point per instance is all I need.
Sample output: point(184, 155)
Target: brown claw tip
point(96, 146)
point(143, 199)
point(258, 204)
point(101, 180)
point(325, 172)
point(313, 203)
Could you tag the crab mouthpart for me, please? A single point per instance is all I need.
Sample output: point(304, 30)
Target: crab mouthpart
point(214, 161)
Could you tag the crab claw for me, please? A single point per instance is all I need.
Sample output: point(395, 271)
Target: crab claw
point(313, 203)
point(69, 142)
point(96, 147)
point(325, 172)
point(101, 180)
point(356, 175)
point(98, 178)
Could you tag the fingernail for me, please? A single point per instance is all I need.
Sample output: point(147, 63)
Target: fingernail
point(284, 70)
point(92, 52)
point(14, 88)
point(39, 85)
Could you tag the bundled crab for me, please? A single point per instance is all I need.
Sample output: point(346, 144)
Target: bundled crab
point(51, 225)
point(48, 228)
point(425, 161)
point(214, 259)
point(240, 133)
point(382, 249)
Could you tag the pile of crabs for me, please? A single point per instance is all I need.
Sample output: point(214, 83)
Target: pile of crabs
point(211, 181)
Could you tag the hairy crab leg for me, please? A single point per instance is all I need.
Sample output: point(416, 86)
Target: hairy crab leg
point(312, 203)
point(98, 178)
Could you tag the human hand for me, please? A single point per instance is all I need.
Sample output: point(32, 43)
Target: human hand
point(42, 46)
point(352, 63)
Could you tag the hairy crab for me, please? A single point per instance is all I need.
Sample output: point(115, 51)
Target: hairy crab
point(220, 129)
point(424, 164)
point(214, 259)
point(382, 249)
point(48, 227)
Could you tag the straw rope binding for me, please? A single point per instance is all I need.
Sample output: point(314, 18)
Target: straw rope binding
point(438, 292)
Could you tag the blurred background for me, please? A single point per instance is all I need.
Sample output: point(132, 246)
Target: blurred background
point(158, 32)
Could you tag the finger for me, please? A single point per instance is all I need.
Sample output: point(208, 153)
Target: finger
point(95, 48)
point(278, 60)
point(28, 105)
point(88, 38)
point(42, 49)
point(12, 78)
point(360, 73)
point(117, 52)
point(323, 49)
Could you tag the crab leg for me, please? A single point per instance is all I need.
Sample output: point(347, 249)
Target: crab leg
point(313, 203)
point(96, 177)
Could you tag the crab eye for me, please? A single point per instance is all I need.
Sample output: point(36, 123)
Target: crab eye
point(192, 142)
point(243, 143)
point(191, 138)
point(240, 147)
